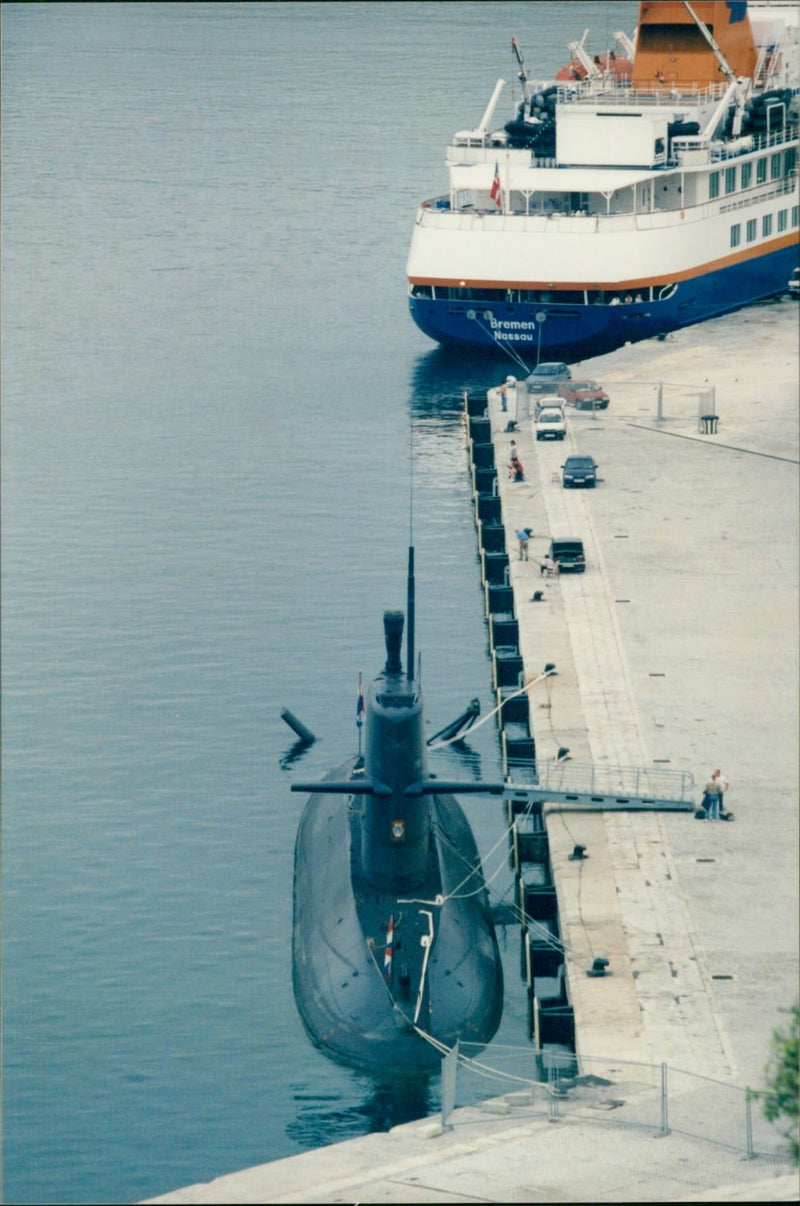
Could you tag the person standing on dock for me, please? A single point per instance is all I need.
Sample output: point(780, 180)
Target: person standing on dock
point(509, 383)
point(523, 536)
point(711, 798)
point(722, 787)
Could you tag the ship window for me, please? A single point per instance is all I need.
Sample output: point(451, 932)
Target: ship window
point(795, 215)
point(775, 166)
point(713, 185)
point(667, 38)
point(730, 179)
point(736, 234)
point(751, 230)
point(451, 293)
point(761, 171)
point(766, 225)
point(783, 214)
point(422, 291)
point(790, 161)
point(747, 174)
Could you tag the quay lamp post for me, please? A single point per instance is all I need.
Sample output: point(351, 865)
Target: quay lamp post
point(541, 318)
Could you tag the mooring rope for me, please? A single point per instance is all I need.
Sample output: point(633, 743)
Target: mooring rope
point(477, 1066)
point(512, 352)
point(441, 744)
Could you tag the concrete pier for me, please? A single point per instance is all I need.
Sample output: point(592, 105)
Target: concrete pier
point(677, 648)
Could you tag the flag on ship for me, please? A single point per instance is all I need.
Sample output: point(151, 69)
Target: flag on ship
point(388, 951)
point(495, 192)
point(360, 703)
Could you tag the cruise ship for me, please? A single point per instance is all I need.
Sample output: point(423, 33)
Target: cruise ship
point(644, 189)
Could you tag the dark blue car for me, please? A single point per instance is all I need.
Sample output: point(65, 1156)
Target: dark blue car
point(579, 471)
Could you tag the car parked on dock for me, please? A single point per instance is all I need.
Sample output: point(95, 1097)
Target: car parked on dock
point(579, 471)
point(583, 395)
point(550, 424)
point(794, 283)
point(546, 377)
point(568, 555)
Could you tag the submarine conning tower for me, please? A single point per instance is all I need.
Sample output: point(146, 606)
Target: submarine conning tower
point(396, 828)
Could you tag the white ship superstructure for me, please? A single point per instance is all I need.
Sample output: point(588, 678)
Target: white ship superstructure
point(638, 192)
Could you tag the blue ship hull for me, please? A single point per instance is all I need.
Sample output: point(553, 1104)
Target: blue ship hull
point(572, 332)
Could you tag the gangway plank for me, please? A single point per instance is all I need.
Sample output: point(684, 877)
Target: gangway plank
point(585, 787)
point(571, 801)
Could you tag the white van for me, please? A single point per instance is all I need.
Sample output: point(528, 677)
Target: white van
point(550, 424)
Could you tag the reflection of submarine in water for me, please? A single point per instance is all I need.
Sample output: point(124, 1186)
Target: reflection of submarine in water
point(382, 1103)
point(393, 933)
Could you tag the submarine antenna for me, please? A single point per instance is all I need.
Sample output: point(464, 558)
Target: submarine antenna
point(410, 610)
point(410, 583)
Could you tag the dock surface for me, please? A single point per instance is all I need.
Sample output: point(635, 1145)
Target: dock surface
point(676, 649)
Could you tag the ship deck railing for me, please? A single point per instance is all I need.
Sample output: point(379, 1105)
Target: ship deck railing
point(605, 92)
point(597, 220)
point(789, 185)
point(489, 152)
point(761, 142)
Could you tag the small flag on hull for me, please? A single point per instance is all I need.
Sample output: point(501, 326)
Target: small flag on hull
point(388, 950)
point(360, 704)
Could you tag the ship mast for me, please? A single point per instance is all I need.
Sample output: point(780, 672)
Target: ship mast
point(523, 78)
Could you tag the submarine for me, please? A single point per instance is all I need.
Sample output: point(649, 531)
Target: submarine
point(394, 949)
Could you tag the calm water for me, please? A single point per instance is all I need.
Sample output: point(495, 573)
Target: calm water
point(212, 398)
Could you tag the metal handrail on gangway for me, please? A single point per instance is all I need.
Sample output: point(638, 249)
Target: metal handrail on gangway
point(591, 787)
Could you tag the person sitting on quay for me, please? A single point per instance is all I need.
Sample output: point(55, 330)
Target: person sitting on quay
point(515, 471)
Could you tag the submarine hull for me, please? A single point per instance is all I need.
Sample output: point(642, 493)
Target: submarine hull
point(374, 971)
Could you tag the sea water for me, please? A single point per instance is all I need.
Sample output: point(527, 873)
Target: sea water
point(220, 432)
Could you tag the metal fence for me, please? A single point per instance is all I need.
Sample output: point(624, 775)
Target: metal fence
point(658, 1098)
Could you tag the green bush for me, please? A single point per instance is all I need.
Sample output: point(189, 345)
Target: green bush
point(781, 1097)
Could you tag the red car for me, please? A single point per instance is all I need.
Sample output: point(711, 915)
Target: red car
point(583, 395)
